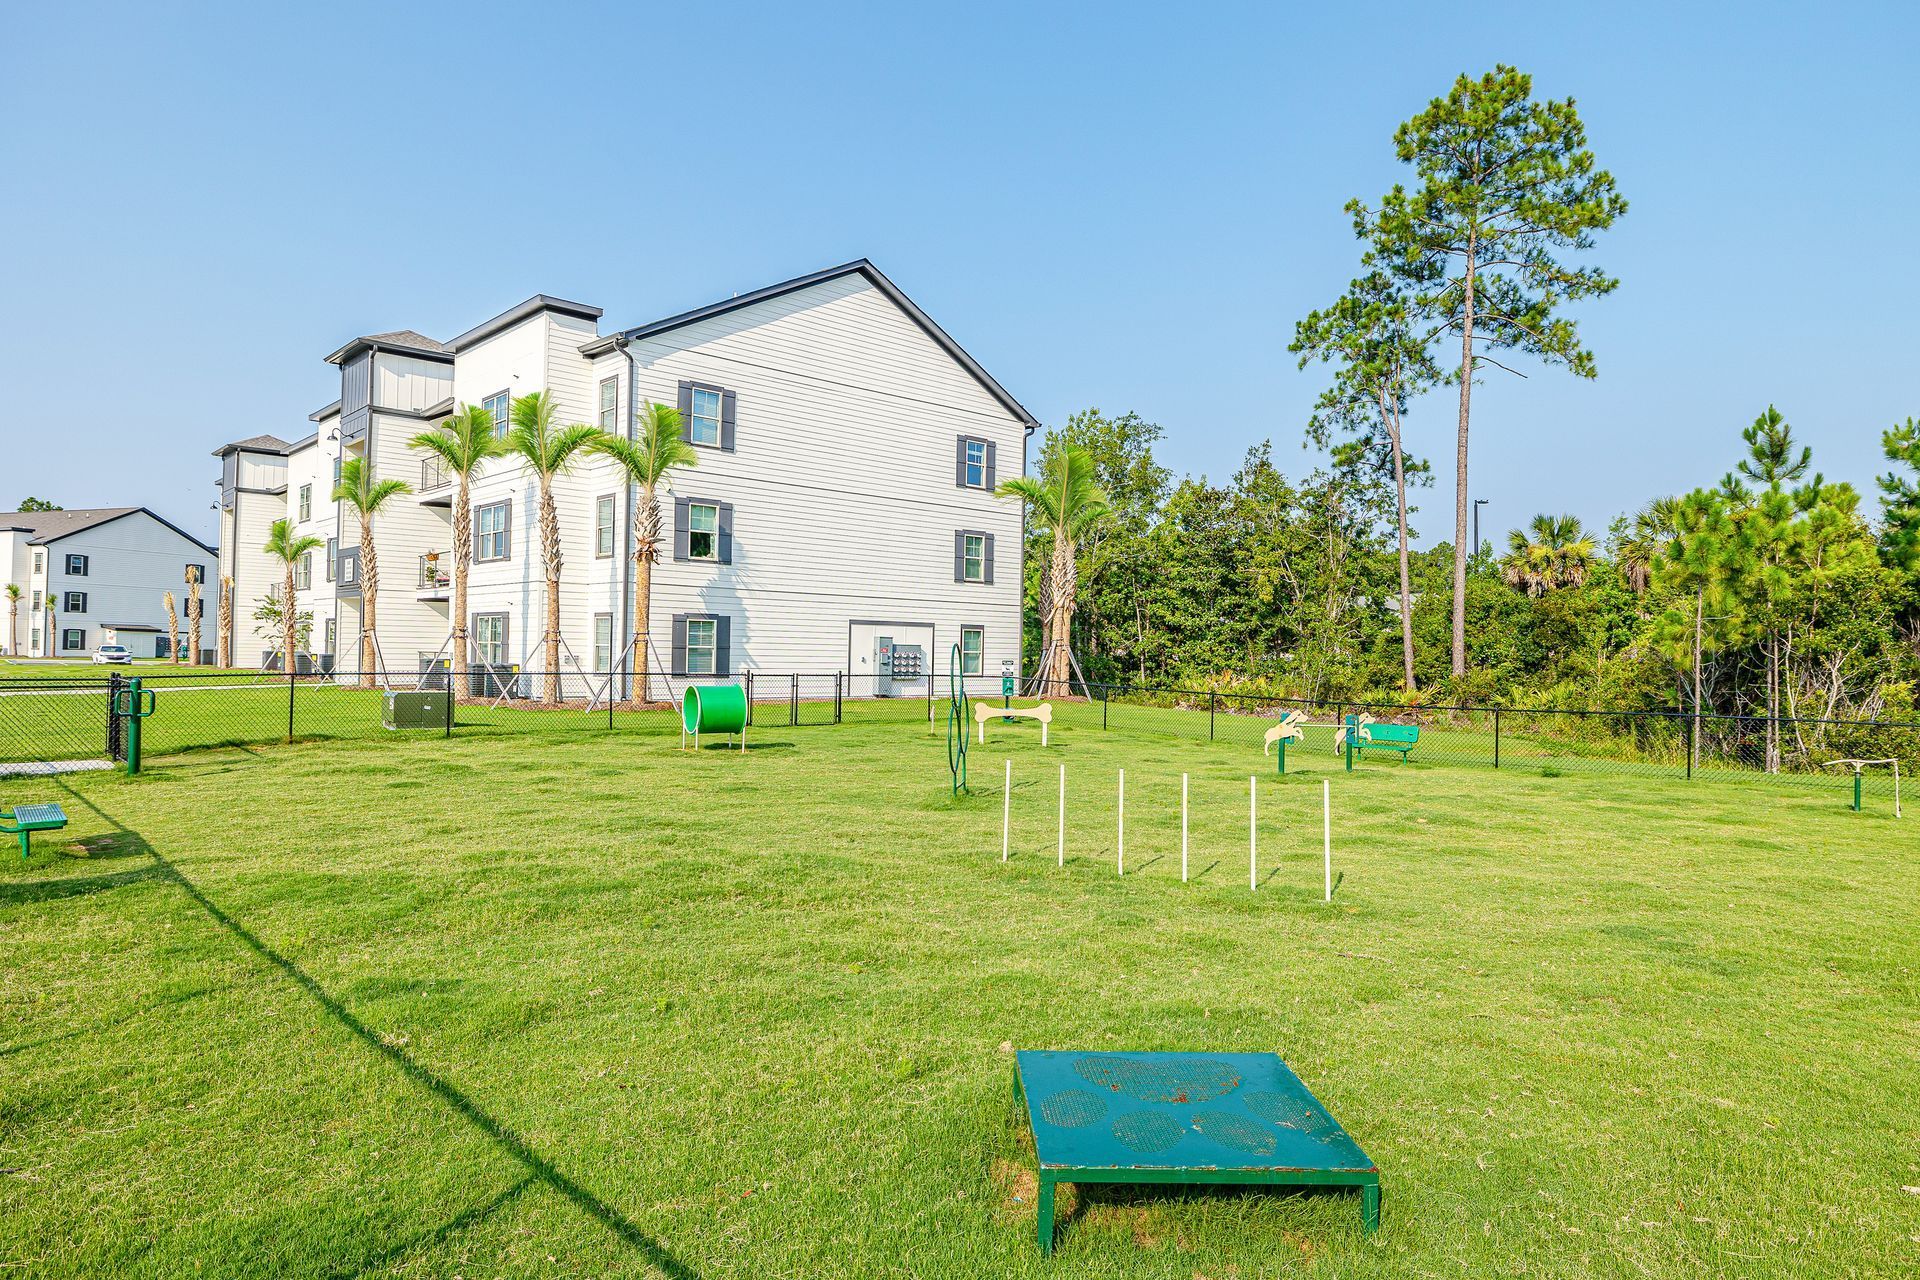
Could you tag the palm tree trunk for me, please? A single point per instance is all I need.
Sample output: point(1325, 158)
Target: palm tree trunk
point(13, 626)
point(1061, 668)
point(646, 549)
point(369, 594)
point(550, 539)
point(462, 557)
point(223, 623)
point(1460, 501)
point(286, 619)
point(193, 625)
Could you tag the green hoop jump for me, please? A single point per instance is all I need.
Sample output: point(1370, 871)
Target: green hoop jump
point(956, 722)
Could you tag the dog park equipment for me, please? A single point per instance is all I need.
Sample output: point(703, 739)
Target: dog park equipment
point(1220, 1118)
point(1006, 811)
point(983, 712)
point(410, 709)
point(1292, 728)
point(1377, 735)
point(1858, 766)
point(714, 708)
point(1120, 837)
point(1326, 834)
point(130, 705)
point(956, 722)
point(25, 819)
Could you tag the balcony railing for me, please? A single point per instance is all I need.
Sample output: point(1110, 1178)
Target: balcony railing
point(433, 475)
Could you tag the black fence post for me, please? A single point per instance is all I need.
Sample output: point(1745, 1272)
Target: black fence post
point(1496, 737)
point(1106, 701)
point(1692, 724)
point(1213, 710)
point(289, 702)
point(838, 676)
point(749, 676)
point(793, 701)
point(449, 729)
point(114, 685)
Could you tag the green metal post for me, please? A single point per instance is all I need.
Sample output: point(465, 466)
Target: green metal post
point(1856, 778)
point(1280, 758)
point(132, 694)
point(1353, 727)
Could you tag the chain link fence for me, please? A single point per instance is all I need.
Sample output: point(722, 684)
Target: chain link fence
point(66, 721)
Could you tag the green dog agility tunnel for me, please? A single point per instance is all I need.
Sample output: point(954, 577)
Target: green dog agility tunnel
point(719, 708)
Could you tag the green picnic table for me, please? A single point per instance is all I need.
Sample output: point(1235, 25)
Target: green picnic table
point(1224, 1118)
point(25, 819)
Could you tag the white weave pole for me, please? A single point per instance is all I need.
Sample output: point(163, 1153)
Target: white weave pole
point(1183, 828)
point(1326, 833)
point(1120, 854)
point(1006, 810)
point(1253, 833)
point(1063, 815)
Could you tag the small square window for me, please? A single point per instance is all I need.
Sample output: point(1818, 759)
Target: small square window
point(701, 634)
point(76, 602)
point(76, 566)
point(609, 403)
point(73, 638)
point(703, 529)
point(974, 557)
point(976, 464)
point(490, 639)
point(705, 425)
point(603, 527)
point(500, 405)
point(973, 646)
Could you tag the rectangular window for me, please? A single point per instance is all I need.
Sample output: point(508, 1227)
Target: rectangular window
point(701, 641)
point(603, 527)
point(333, 554)
point(33, 639)
point(76, 602)
point(703, 528)
point(703, 426)
point(976, 464)
point(38, 562)
point(73, 638)
point(332, 633)
point(336, 473)
point(36, 602)
point(76, 566)
point(973, 647)
point(196, 573)
point(492, 540)
point(490, 639)
point(974, 557)
point(306, 502)
point(609, 403)
point(500, 405)
point(303, 572)
point(602, 642)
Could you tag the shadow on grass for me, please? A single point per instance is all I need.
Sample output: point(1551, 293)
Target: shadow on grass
point(439, 1235)
point(31, 891)
point(108, 1023)
point(538, 1167)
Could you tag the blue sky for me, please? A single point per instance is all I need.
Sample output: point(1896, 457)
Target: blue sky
point(1112, 206)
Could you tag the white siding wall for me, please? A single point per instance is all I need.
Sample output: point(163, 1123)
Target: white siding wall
point(131, 563)
point(243, 535)
point(312, 465)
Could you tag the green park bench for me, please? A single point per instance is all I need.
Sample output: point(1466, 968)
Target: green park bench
point(1390, 737)
point(25, 819)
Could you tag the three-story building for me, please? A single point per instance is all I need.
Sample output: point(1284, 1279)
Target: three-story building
point(841, 516)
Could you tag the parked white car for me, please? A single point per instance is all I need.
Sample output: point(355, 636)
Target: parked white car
point(118, 654)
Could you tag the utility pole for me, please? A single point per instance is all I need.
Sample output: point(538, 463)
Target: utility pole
point(1477, 504)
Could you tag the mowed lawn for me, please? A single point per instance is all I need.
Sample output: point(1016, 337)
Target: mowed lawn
point(574, 1004)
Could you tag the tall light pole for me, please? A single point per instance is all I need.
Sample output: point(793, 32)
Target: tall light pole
point(1477, 504)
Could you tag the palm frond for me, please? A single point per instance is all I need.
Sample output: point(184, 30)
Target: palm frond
point(359, 490)
point(463, 442)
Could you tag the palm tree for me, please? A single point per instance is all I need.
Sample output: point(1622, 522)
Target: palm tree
point(463, 444)
point(193, 615)
point(359, 490)
point(173, 628)
point(548, 451)
point(655, 450)
point(1065, 496)
point(1552, 552)
point(287, 549)
point(223, 623)
point(13, 617)
point(1647, 537)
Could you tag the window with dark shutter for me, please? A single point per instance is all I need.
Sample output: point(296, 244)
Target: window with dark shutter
point(679, 644)
point(680, 510)
point(724, 549)
point(726, 420)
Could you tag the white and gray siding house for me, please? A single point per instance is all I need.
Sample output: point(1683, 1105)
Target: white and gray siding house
point(843, 499)
point(100, 576)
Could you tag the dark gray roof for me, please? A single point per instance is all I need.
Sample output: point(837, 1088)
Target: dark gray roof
point(403, 342)
point(860, 266)
point(514, 315)
point(51, 526)
point(253, 444)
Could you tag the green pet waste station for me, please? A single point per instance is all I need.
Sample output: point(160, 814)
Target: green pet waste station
point(716, 708)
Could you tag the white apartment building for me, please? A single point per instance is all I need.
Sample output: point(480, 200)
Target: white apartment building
point(841, 516)
point(99, 576)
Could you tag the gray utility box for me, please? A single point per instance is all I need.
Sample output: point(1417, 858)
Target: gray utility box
point(426, 709)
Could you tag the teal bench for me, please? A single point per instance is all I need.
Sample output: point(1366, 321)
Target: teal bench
point(25, 819)
point(1391, 737)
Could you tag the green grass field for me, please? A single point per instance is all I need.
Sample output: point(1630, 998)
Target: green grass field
point(566, 1002)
